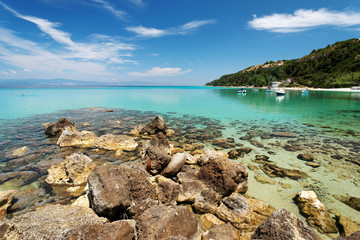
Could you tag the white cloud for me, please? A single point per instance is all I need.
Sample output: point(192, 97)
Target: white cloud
point(304, 19)
point(147, 32)
point(106, 5)
point(27, 70)
point(13, 72)
point(139, 3)
point(158, 72)
point(179, 30)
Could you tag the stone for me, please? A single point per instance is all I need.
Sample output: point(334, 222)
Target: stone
point(157, 153)
point(190, 190)
point(256, 143)
point(109, 110)
point(313, 164)
point(175, 165)
point(275, 171)
point(141, 207)
point(169, 132)
point(253, 168)
point(138, 130)
point(223, 175)
point(190, 159)
point(19, 152)
point(5, 201)
point(82, 201)
point(263, 159)
point(233, 154)
point(353, 202)
point(285, 185)
point(116, 142)
point(211, 155)
point(354, 236)
point(260, 209)
point(315, 212)
point(113, 189)
point(168, 192)
point(74, 138)
point(49, 222)
point(283, 225)
point(156, 125)
point(346, 225)
point(188, 172)
point(305, 157)
point(223, 232)
point(209, 220)
point(26, 199)
point(244, 150)
point(283, 134)
point(123, 229)
point(161, 222)
point(54, 129)
point(207, 201)
point(19, 178)
point(265, 180)
point(72, 172)
point(86, 124)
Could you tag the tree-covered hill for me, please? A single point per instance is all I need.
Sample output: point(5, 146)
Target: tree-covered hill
point(337, 65)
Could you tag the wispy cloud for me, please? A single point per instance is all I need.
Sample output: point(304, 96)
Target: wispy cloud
point(107, 6)
point(158, 72)
point(304, 19)
point(70, 58)
point(139, 3)
point(179, 30)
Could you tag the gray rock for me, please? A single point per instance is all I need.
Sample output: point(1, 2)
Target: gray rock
point(157, 153)
point(175, 165)
point(283, 225)
point(354, 236)
point(156, 125)
point(221, 231)
point(53, 129)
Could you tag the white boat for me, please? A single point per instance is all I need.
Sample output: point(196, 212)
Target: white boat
point(280, 92)
point(241, 90)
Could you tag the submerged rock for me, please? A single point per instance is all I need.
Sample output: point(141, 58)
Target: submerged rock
point(19, 152)
point(74, 138)
point(160, 222)
point(283, 225)
point(53, 129)
point(283, 134)
point(5, 201)
point(264, 180)
point(315, 212)
point(305, 157)
point(275, 171)
point(353, 202)
point(116, 142)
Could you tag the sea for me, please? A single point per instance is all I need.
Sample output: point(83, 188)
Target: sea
point(323, 124)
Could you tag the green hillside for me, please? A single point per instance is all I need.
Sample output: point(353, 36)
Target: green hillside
point(335, 66)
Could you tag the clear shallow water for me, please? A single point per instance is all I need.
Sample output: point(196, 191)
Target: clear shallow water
point(325, 124)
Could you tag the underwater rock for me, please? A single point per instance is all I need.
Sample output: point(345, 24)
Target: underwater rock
point(283, 134)
point(27, 198)
point(53, 129)
point(346, 225)
point(114, 188)
point(157, 153)
point(263, 159)
point(353, 202)
point(138, 130)
point(313, 164)
point(222, 231)
point(233, 154)
point(48, 222)
point(264, 180)
point(156, 125)
point(161, 222)
point(305, 157)
point(257, 143)
point(116, 142)
point(5, 201)
point(19, 178)
point(224, 143)
point(19, 152)
point(274, 171)
point(315, 212)
point(283, 225)
point(70, 173)
point(223, 175)
point(74, 138)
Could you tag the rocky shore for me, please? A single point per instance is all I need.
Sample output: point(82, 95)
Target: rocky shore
point(160, 190)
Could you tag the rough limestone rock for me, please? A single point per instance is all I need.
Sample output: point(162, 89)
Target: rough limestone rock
point(275, 171)
point(116, 142)
point(305, 157)
point(113, 189)
point(354, 236)
point(223, 175)
point(283, 225)
point(72, 172)
point(315, 212)
point(19, 152)
point(175, 165)
point(222, 231)
point(211, 155)
point(160, 222)
point(157, 153)
point(190, 190)
point(346, 225)
point(53, 129)
point(138, 130)
point(48, 222)
point(168, 192)
point(74, 138)
point(283, 134)
point(351, 201)
point(209, 220)
point(124, 230)
point(156, 125)
point(5, 201)
point(207, 202)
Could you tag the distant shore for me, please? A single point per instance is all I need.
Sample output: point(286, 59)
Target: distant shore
point(303, 88)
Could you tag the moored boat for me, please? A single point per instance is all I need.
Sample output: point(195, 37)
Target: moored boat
point(241, 90)
point(280, 92)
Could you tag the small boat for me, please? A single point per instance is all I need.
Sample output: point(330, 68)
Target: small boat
point(241, 90)
point(280, 92)
point(304, 92)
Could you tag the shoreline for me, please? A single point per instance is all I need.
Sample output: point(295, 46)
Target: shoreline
point(301, 88)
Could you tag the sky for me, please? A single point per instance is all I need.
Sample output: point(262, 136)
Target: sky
point(163, 42)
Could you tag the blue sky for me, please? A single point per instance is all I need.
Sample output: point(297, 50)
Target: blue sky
point(177, 42)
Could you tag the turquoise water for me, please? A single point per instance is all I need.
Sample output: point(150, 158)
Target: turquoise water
point(331, 109)
point(323, 124)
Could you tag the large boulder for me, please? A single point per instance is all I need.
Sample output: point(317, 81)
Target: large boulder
point(54, 129)
point(74, 138)
point(283, 225)
point(156, 125)
point(223, 232)
point(116, 142)
point(5, 201)
point(48, 222)
point(113, 189)
point(315, 212)
point(157, 154)
point(346, 225)
point(71, 173)
point(175, 165)
point(223, 175)
point(160, 222)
